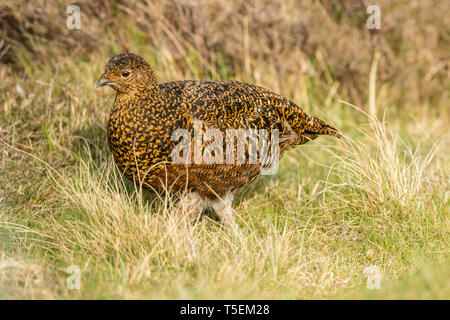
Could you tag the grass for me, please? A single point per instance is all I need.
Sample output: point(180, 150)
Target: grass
point(378, 197)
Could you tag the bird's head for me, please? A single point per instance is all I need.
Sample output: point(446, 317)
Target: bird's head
point(128, 73)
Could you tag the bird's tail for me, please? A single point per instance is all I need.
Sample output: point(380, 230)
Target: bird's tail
point(307, 126)
point(317, 126)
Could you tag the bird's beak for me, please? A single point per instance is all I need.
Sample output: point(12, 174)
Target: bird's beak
point(102, 82)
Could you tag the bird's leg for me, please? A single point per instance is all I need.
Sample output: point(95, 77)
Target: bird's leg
point(223, 209)
point(191, 205)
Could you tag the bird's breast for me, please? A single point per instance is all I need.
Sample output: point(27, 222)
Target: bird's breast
point(133, 141)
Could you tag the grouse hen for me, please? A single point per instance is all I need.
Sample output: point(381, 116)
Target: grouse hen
point(205, 139)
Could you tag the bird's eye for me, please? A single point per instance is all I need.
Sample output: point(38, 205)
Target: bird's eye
point(125, 74)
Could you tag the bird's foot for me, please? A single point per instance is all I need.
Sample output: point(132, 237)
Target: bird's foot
point(190, 205)
point(224, 210)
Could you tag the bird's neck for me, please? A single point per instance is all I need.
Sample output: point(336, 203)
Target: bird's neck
point(131, 106)
point(137, 97)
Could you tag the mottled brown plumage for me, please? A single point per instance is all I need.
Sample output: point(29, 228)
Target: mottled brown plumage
point(145, 115)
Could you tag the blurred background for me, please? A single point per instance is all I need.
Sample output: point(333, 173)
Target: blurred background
point(284, 44)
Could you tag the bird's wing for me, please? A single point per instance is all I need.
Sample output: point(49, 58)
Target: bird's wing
point(226, 105)
point(232, 105)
